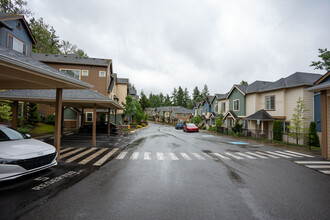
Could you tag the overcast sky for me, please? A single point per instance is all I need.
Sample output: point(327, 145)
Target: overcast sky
point(160, 45)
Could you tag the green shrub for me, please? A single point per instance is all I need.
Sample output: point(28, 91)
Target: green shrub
point(139, 126)
point(237, 127)
point(277, 131)
point(50, 119)
point(203, 128)
point(214, 129)
point(143, 125)
point(25, 129)
point(133, 123)
point(313, 138)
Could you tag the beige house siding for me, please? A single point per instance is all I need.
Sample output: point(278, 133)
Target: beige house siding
point(309, 102)
point(121, 93)
point(220, 104)
point(279, 102)
point(251, 103)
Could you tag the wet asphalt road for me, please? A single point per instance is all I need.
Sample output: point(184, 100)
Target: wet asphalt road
point(156, 185)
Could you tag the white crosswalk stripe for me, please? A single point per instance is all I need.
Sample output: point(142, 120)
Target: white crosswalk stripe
point(121, 155)
point(66, 149)
point(256, 155)
point(268, 155)
point(292, 155)
point(147, 156)
point(160, 156)
point(199, 157)
point(173, 156)
point(134, 156)
point(105, 157)
point(321, 166)
point(221, 156)
point(185, 156)
point(247, 156)
point(72, 152)
point(234, 156)
point(210, 156)
point(305, 155)
point(280, 155)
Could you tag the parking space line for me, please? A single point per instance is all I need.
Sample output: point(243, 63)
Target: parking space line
point(173, 156)
point(104, 158)
point(66, 149)
point(185, 156)
point(134, 156)
point(71, 152)
point(199, 157)
point(91, 157)
point(80, 155)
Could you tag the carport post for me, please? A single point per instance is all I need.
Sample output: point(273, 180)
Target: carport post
point(94, 126)
point(58, 120)
point(14, 119)
point(116, 116)
point(82, 117)
point(109, 122)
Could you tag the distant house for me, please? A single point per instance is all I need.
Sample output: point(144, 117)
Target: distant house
point(180, 114)
point(219, 104)
point(15, 33)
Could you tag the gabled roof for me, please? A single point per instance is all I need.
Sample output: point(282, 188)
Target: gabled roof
point(219, 96)
point(181, 110)
point(320, 80)
point(296, 79)
point(71, 59)
point(10, 57)
point(256, 86)
point(232, 113)
point(240, 88)
point(261, 115)
point(122, 80)
point(321, 84)
point(7, 17)
point(113, 79)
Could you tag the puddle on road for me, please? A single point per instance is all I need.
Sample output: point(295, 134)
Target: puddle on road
point(207, 136)
point(135, 143)
point(175, 145)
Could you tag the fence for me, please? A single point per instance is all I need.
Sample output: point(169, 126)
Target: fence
point(278, 137)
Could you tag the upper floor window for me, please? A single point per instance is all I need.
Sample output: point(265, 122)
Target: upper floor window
point(74, 73)
point(236, 104)
point(184, 114)
point(216, 108)
point(223, 107)
point(270, 102)
point(102, 74)
point(89, 116)
point(17, 45)
point(84, 72)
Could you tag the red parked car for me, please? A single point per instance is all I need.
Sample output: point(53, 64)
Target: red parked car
point(190, 127)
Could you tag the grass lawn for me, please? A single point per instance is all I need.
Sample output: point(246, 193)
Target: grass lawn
point(41, 128)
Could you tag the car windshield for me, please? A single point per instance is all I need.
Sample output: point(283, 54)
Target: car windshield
point(8, 134)
point(191, 125)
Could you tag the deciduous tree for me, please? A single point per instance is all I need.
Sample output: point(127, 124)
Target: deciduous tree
point(296, 127)
point(324, 63)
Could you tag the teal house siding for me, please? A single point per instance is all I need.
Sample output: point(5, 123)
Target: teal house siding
point(70, 114)
point(213, 104)
point(237, 95)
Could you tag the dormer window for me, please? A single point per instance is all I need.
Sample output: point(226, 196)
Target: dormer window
point(17, 45)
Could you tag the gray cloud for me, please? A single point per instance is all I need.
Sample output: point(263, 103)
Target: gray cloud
point(160, 45)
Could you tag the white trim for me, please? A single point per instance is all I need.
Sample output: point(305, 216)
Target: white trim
point(105, 73)
point(239, 107)
point(87, 117)
point(74, 70)
point(82, 73)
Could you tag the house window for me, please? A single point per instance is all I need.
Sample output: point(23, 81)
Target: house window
point(270, 102)
point(89, 116)
point(184, 115)
point(230, 122)
point(216, 108)
point(236, 104)
point(102, 74)
point(223, 107)
point(17, 45)
point(84, 72)
point(74, 73)
point(285, 126)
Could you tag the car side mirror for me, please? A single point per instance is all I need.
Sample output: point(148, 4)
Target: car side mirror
point(28, 135)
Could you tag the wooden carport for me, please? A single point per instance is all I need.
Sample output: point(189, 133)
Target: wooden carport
point(18, 71)
point(84, 99)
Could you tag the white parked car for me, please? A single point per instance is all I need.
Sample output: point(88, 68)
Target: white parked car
point(21, 155)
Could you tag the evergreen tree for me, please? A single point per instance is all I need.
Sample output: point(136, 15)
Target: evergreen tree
point(5, 111)
point(196, 95)
point(167, 101)
point(144, 101)
point(180, 97)
point(186, 99)
point(174, 97)
point(205, 92)
point(277, 131)
point(32, 114)
point(244, 83)
point(161, 99)
point(14, 7)
point(313, 138)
